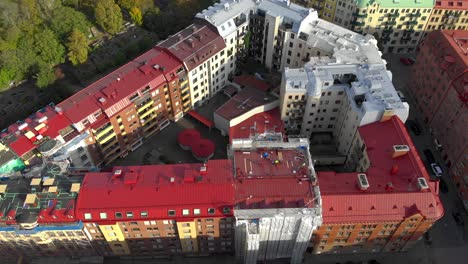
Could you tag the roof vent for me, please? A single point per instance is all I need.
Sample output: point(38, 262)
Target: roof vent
point(203, 170)
point(117, 174)
point(156, 66)
point(363, 182)
point(226, 6)
point(400, 150)
point(422, 183)
point(102, 100)
point(172, 179)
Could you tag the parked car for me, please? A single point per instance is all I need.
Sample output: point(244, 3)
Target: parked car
point(458, 218)
point(443, 186)
point(429, 157)
point(407, 61)
point(414, 126)
point(428, 238)
point(401, 95)
point(436, 169)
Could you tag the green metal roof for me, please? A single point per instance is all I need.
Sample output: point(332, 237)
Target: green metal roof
point(397, 3)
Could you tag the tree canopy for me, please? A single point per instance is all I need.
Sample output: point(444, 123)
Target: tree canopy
point(108, 15)
point(65, 19)
point(77, 46)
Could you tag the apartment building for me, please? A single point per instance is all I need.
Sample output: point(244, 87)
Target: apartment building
point(389, 200)
point(398, 24)
point(439, 91)
point(160, 210)
point(336, 99)
point(37, 218)
point(107, 119)
point(276, 209)
point(448, 15)
point(231, 19)
point(325, 8)
point(203, 53)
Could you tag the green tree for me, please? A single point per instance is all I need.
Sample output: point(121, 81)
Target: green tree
point(135, 14)
point(65, 19)
point(77, 46)
point(45, 76)
point(108, 15)
point(143, 5)
point(47, 48)
point(6, 76)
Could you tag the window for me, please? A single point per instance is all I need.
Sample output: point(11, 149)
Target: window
point(129, 214)
point(196, 211)
point(118, 215)
point(185, 211)
point(211, 210)
point(226, 210)
point(144, 214)
point(103, 215)
point(88, 216)
point(171, 212)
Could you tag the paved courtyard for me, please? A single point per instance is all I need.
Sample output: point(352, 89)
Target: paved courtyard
point(165, 144)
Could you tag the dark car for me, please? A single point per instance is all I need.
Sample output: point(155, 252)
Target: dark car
point(414, 126)
point(443, 186)
point(407, 61)
point(429, 157)
point(458, 218)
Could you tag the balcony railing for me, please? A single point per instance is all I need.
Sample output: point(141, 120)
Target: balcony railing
point(393, 15)
point(360, 15)
point(390, 22)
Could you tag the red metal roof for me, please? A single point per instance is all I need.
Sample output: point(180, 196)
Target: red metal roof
point(257, 193)
point(258, 124)
point(194, 44)
point(201, 118)
point(157, 189)
point(242, 102)
point(339, 190)
point(252, 81)
point(147, 69)
point(22, 145)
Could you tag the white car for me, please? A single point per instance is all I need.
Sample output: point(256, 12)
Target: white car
point(401, 95)
point(436, 169)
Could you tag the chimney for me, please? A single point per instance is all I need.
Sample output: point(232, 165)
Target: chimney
point(387, 114)
point(389, 186)
point(400, 150)
point(394, 169)
point(363, 183)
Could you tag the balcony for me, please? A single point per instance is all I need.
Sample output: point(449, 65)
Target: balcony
point(147, 113)
point(411, 23)
point(240, 20)
point(109, 145)
point(106, 138)
point(393, 15)
point(358, 23)
point(415, 15)
point(103, 130)
point(143, 107)
point(360, 15)
point(390, 23)
point(387, 30)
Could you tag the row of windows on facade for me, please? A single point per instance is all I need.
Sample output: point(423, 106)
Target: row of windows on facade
point(144, 214)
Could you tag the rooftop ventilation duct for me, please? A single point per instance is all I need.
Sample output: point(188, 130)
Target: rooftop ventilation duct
point(422, 184)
